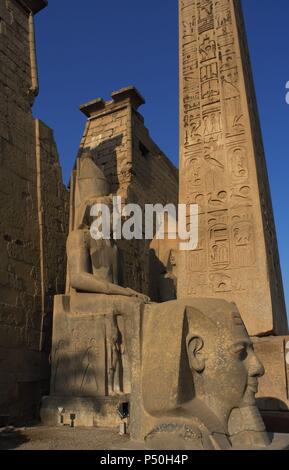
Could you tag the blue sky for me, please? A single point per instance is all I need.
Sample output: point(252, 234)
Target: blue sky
point(90, 48)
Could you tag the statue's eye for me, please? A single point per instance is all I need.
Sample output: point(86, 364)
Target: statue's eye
point(241, 353)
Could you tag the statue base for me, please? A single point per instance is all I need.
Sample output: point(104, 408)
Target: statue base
point(82, 411)
point(92, 343)
point(279, 442)
point(273, 395)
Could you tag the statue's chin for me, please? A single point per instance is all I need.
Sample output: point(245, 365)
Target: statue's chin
point(249, 397)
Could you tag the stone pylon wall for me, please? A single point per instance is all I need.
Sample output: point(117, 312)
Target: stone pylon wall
point(223, 169)
point(33, 220)
point(136, 169)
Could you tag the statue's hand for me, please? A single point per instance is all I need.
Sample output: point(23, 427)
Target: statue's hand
point(133, 293)
point(144, 298)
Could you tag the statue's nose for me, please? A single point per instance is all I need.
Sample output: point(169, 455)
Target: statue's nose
point(256, 368)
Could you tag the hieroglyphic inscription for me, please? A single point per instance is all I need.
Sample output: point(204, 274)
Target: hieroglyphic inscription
point(218, 168)
point(6, 16)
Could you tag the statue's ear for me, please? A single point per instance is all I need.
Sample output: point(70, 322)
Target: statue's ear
point(196, 356)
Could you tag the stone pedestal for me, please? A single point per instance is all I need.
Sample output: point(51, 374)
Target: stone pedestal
point(88, 411)
point(91, 366)
point(273, 396)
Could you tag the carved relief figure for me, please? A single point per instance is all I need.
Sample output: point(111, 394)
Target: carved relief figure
point(89, 384)
point(115, 353)
point(76, 347)
point(61, 364)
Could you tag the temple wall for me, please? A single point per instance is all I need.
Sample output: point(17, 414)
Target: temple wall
point(135, 167)
point(33, 222)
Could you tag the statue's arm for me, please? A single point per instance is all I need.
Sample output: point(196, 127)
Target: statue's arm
point(86, 282)
point(115, 265)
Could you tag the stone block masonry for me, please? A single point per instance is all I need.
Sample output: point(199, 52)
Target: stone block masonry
point(136, 169)
point(33, 220)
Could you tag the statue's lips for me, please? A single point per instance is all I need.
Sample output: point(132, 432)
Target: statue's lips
point(253, 385)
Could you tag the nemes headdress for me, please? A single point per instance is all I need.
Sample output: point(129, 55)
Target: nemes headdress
point(92, 187)
point(92, 182)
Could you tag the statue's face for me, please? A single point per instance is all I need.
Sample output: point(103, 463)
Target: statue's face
point(226, 366)
point(241, 369)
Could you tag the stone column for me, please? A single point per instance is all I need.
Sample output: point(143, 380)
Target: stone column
point(223, 169)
